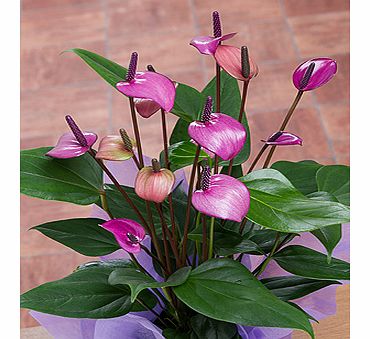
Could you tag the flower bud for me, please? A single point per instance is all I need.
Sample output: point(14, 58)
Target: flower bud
point(283, 139)
point(154, 183)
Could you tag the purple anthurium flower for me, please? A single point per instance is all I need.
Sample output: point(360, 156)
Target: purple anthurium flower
point(314, 73)
point(208, 44)
point(72, 144)
point(283, 139)
point(128, 233)
point(230, 58)
point(218, 133)
point(116, 147)
point(221, 196)
point(154, 183)
point(148, 85)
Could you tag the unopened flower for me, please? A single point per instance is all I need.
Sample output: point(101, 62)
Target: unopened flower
point(283, 139)
point(314, 73)
point(209, 44)
point(231, 59)
point(116, 147)
point(72, 144)
point(128, 233)
point(148, 85)
point(218, 133)
point(221, 196)
point(154, 183)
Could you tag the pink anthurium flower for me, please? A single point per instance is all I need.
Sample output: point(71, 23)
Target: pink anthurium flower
point(283, 139)
point(73, 144)
point(314, 73)
point(154, 183)
point(209, 44)
point(116, 147)
point(128, 233)
point(237, 62)
point(148, 85)
point(221, 196)
point(218, 133)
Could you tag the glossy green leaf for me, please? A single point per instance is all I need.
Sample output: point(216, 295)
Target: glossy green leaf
point(180, 132)
point(110, 71)
point(188, 103)
point(236, 171)
point(138, 281)
point(301, 174)
point(78, 180)
point(85, 294)
point(245, 246)
point(308, 263)
point(204, 327)
point(292, 287)
point(335, 179)
point(84, 235)
point(243, 298)
point(230, 105)
point(182, 154)
point(276, 204)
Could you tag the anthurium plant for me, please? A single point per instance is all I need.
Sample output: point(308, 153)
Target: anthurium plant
point(233, 252)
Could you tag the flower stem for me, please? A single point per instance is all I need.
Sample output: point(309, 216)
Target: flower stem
point(269, 257)
point(257, 158)
point(240, 117)
point(218, 105)
point(166, 159)
point(204, 237)
point(136, 131)
point(155, 258)
point(211, 238)
point(104, 203)
point(188, 206)
point(283, 125)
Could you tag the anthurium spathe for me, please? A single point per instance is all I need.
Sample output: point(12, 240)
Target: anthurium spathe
point(128, 233)
point(154, 183)
point(230, 58)
point(218, 133)
point(314, 73)
point(73, 144)
point(221, 196)
point(209, 44)
point(284, 139)
point(116, 147)
point(148, 85)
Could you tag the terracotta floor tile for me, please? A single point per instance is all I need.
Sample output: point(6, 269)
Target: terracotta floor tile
point(46, 67)
point(40, 269)
point(171, 54)
point(60, 25)
point(41, 4)
point(338, 88)
point(321, 34)
point(309, 7)
point(342, 151)
point(43, 111)
point(157, 16)
point(235, 13)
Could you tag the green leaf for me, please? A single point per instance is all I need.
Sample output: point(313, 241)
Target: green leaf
point(292, 287)
point(308, 263)
point(276, 204)
point(182, 154)
point(110, 71)
point(204, 327)
point(84, 235)
point(236, 171)
point(138, 281)
point(230, 105)
point(243, 298)
point(78, 180)
point(188, 103)
point(334, 179)
point(245, 246)
point(171, 333)
point(329, 236)
point(301, 174)
point(180, 132)
point(85, 294)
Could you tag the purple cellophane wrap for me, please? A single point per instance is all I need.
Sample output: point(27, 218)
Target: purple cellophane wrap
point(319, 304)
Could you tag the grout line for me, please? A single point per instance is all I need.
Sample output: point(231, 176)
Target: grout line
point(107, 53)
point(290, 30)
point(196, 26)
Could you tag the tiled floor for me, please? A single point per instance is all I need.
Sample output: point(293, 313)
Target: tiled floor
point(279, 33)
